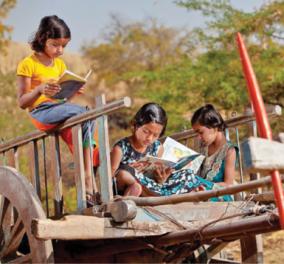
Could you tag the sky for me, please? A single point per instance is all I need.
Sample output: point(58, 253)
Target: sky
point(89, 19)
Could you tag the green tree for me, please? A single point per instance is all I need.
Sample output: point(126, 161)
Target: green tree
point(263, 31)
point(184, 71)
point(130, 47)
point(215, 74)
point(5, 7)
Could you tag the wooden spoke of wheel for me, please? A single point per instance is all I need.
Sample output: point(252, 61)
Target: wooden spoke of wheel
point(19, 204)
point(11, 234)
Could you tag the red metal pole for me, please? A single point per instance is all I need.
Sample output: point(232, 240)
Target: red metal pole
point(261, 120)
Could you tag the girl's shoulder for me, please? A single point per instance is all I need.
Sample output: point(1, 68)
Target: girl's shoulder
point(27, 65)
point(30, 59)
point(122, 142)
point(231, 145)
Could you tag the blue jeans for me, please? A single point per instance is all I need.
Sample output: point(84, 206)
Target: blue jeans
point(56, 113)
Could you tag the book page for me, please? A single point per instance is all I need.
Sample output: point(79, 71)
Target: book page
point(154, 162)
point(174, 151)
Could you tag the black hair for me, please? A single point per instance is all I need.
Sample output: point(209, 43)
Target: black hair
point(208, 116)
point(50, 27)
point(150, 112)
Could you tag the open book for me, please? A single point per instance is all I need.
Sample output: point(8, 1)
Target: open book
point(70, 84)
point(176, 156)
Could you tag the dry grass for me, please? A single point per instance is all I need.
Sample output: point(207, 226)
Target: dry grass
point(273, 243)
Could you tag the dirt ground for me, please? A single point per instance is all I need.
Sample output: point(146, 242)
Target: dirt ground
point(273, 248)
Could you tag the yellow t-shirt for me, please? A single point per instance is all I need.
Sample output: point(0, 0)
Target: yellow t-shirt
point(39, 73)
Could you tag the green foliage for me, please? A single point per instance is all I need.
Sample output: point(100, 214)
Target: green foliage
point(182, 72)
point(137, 46)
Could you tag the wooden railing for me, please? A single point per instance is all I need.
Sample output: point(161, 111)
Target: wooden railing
point(49, 163)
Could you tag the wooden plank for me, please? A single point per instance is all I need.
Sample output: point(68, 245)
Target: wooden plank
point(262, 155)
point(34, 166)
point(10, 158)
point(55, 174)
point(45, 173)
point(81, 227)
point(90, 227)
point(104, 152)
point(252, 249)
point(79, 166)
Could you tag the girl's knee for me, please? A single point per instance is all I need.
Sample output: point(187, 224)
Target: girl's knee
point(125, 177)
point(134, 189)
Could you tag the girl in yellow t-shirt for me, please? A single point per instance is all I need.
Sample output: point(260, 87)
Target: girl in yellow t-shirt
point(36, 75)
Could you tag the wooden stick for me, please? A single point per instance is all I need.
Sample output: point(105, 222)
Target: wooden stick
point(253, 225)
point(199, 196)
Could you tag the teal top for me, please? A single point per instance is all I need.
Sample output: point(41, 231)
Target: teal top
point(213, 167)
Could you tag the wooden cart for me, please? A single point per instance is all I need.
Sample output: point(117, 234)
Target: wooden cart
point(35, 226)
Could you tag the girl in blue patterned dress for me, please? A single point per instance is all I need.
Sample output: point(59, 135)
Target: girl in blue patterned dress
point(148, 124)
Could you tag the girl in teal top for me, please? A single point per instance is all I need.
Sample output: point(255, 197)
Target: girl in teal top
point(219, 164)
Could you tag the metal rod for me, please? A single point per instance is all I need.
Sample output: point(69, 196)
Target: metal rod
point(262, 120)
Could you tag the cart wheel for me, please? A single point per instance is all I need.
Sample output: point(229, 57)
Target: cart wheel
point(19, 204)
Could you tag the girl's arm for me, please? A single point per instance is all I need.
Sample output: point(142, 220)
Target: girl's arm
point(115, 158)
point(25, 98)
point(229, 174)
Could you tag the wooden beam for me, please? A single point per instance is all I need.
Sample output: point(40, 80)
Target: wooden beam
point(34, 166)
point(159, 222)
point(56, 175)
point(104, 153)
point(262, 155)
point(79, 166)
point(248, 226)
point(81, 227)
point(252, 249)
point(199, 196)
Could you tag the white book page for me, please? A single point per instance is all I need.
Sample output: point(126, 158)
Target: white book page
point(173, 150)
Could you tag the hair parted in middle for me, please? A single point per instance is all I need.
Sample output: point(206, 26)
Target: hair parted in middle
point(148, 113)
point(50, 27)
point(209, 117)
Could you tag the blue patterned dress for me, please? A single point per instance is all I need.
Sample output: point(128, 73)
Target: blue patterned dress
point(182, 181)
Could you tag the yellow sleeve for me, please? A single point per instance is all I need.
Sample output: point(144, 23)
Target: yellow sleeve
point(25, 68)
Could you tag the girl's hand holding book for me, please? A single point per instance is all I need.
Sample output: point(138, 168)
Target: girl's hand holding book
point(162, 173)
point(49, 89)
point(139, 165)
